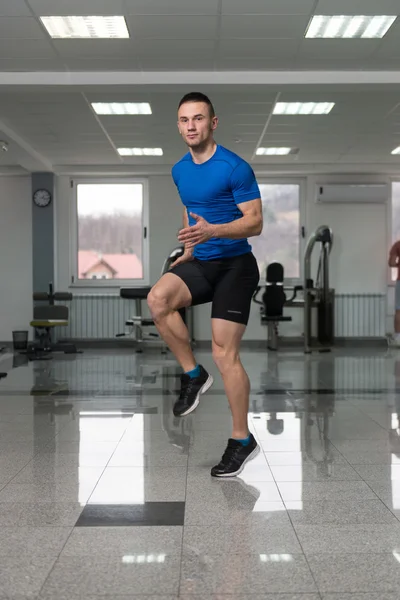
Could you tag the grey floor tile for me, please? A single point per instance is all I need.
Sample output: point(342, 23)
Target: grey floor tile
point(31, 542)
point(61, 595)
point(23, 576)
point(340, 512)
point(39, 514)
point(245, 596)
point(121, 541)
point(378, 473)
point(348, 538)
point(244, 536)
point(335, 472)
point(355, 573)
point(325, 490)
point(79, 447)
point(72, 459)
point(202, 487)
point(65, 471)
point(146, 574)
point(128, 457)
point(132, 485)
point(277, 459)
point(367, 596)
point(47, 492)
point(387, 490)
point(197, 514)
point(245, 574)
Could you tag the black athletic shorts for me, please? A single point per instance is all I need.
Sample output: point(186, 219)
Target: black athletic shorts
point(229, 283)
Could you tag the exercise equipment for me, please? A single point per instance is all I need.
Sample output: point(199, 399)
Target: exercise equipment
point(320, 293)
point(45, 319)
point(273, 301)
point(139, 327)
point(315, 294)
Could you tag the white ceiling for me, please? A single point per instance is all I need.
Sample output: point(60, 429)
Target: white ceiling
point(54, 126)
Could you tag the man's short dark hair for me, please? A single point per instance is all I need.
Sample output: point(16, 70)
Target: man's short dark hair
point(198, 97)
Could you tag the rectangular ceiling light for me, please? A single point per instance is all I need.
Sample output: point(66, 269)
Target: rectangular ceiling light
point(140, 151)
point(396, 150)
point(122, 108)
point(347, 26)
point(303, 108)
point(273, 151)
point(86, 27)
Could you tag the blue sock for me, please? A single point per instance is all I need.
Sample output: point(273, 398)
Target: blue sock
point(245, 441)
point(194, 372)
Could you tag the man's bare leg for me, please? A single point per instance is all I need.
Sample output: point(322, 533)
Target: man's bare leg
point(225, 343)
point(166, 297)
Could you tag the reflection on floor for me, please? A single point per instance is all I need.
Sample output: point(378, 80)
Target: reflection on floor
point(104, 494)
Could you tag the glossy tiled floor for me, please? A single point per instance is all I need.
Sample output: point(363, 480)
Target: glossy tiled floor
point(105, 495)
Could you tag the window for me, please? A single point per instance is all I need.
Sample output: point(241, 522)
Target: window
point(395, 219)
point(110, 244)
point(280, 239)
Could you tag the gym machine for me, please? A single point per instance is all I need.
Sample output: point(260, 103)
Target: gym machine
point(137, 324)
point(318, 295)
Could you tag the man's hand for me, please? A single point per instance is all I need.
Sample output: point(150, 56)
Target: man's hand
point(186, 257)
point(197, 234)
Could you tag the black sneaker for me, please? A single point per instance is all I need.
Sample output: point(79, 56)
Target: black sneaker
point(235, 457)
point(191, 388)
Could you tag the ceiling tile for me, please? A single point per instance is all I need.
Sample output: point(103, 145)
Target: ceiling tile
point(21, 27)
point(102, 64)
point(182, 64)
point(14, 8)
point(332, 49)
point(263, 26)
point(171, 7)
point(176, 48)
point(272, 7)
point(76, 7)
point(96, 49)
point(270, 49)
point(357, 7)
point(30, 64)
point(173, 27)
point(26, 49)
point(253, 64)
point(325, 64)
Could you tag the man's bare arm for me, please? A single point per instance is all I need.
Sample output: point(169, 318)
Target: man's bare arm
point(249, 225)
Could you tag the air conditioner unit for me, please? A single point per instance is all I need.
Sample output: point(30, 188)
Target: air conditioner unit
point(347, 193)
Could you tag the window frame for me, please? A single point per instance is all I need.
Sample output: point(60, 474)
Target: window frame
point(302, 183)
point(75, 282)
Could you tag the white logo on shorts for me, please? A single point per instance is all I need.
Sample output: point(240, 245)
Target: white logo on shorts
point(236, 312)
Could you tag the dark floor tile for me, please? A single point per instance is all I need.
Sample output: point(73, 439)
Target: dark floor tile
point(123, 515)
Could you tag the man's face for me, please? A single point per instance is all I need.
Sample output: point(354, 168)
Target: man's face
point(195, 124)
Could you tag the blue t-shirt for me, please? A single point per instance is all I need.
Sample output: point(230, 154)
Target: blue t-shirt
point(213, 190)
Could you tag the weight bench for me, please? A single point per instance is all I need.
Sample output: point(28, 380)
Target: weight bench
point(137, 323)
point(273, 301)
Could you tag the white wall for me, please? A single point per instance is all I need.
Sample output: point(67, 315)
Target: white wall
point(358, 260)
point(15, 255)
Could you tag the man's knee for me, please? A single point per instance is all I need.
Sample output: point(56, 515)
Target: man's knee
point(158, 302)
point(224, 357)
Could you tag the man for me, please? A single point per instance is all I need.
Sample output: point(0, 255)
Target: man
point(222, 209)
point(394, 256)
